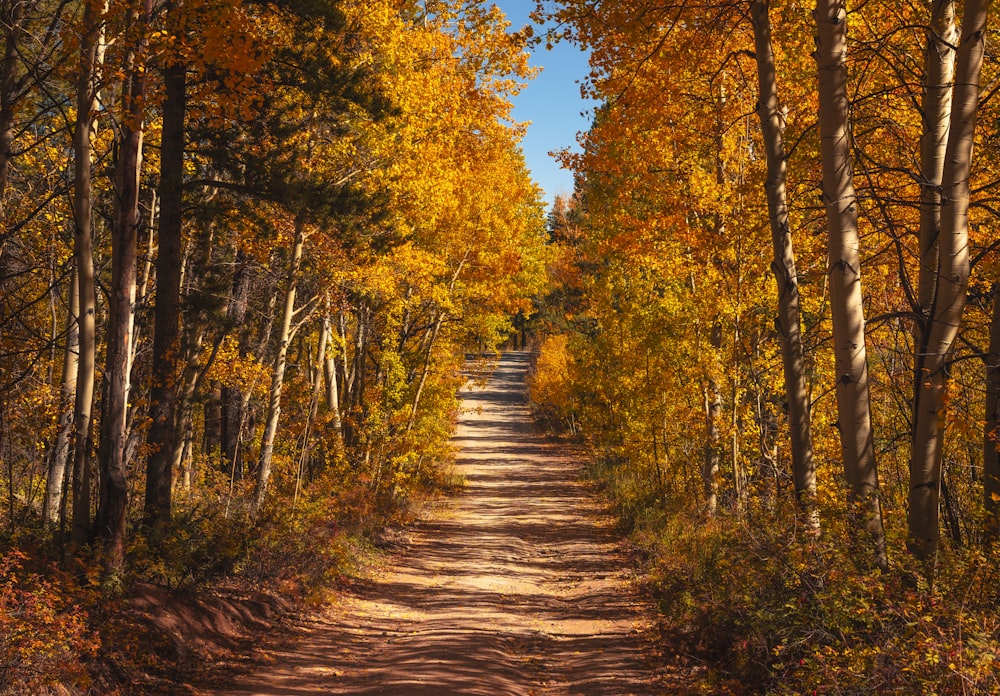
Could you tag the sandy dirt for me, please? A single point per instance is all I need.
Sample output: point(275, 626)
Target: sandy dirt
point(518, 586)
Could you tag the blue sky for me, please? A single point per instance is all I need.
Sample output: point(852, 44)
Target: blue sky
point(552, 103)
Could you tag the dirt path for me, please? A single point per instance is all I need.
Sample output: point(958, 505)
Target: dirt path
point(518, 587)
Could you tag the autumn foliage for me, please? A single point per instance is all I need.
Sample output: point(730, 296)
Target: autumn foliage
point(662, 300)
point(330, 207)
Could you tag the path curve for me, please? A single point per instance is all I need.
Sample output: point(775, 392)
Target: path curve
point(518, 587)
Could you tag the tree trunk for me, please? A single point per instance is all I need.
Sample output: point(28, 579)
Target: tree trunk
point(55, 483)
point(278, 376)
point(14, 12)
point(83, 251)
point(735, 418)
point(184, 416)
point(991, 440)
point(950, 292)
point(788, 322)
point(425, 369)
point(710, 467)
point(939, 70)
point(354, 376)
point(232, 398)
point(330, 374)
point(313, 409)
point(840, 200)
point(124, 254)
point(163, 387)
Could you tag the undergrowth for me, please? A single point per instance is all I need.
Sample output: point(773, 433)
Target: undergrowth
point(65, 628)
point(767, 606)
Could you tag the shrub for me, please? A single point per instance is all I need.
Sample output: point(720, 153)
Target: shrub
point(43, 628)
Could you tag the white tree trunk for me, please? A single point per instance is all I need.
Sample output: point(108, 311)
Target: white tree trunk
point(330, 374)
point(939, 70)
point(840, 200)
point(83, 251)
point(278, 375)
point(951, 284)
point(55, 483)
point(788, 323)
point(710, 466)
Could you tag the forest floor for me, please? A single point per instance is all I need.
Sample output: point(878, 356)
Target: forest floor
point(518, 585)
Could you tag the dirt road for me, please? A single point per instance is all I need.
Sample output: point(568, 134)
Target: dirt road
point(517, 587)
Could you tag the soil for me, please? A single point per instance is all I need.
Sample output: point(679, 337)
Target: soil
point(518, 585)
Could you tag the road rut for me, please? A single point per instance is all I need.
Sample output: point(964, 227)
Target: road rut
point(518, 586)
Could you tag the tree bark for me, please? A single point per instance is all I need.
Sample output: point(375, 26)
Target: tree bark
point(55, 483)
point(232, 398)
point(317, 391)
point(840, 200)
point(13, 17)
point(163, 389)
point(278, 375)
point(124, 254)
point(939, 70)
point(83, 252)
point(330, 375)
point(710, 467)
point(951, 284)
point(788, 322)
point(991, 440)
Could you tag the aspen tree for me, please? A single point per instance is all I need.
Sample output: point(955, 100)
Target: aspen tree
point(939, 70)
point(83, 251)
point(769, 111)
point(118, 352)
point(844, 258)
point(285, 335)
point(330, 373)
point(56, 480)
point(950, 286)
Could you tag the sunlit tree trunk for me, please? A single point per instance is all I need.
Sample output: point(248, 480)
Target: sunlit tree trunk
point(83, 251)
point(710, 465)
point(354, 371)
point(330, 375)
point(840, 200)
point(317, 391)
point(939, 69)
point(166, 331)
point(190, 380)
point(950, 292)
point(278, 374)
point(788, 321)
point(124, 253)
point(991, 440)
point(55, 483)
point(429, 353)
point(425, 369)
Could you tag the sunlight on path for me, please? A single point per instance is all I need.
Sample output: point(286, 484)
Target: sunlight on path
point(518, 587)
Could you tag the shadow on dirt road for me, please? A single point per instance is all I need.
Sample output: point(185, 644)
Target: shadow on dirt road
point(518, 587)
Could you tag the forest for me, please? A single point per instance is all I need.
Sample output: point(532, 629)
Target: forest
point(774, 316)
point(247, 245)
point(243, 248)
